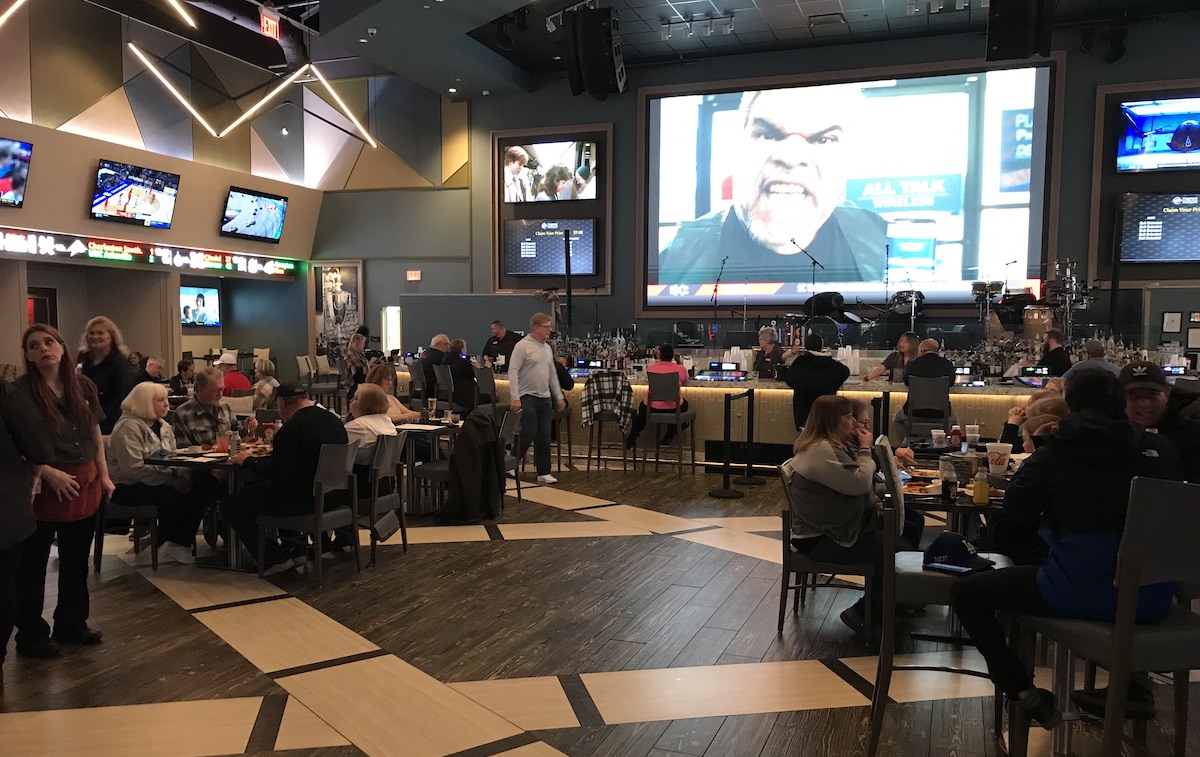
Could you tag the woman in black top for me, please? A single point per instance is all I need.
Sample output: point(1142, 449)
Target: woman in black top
point(103, 361)
point(73, 483)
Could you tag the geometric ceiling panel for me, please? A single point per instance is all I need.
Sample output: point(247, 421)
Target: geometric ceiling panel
point(283, 114)
point(408, 119)
point(16, 100)
point(234, 76)
point(75, 58)
point(331, 145)
point(355, 93)
point(262, 162)
point(455, 137)
point(111, 120)
point(164, 123)
point(383, 169)
point(460, 180)
point(150, 40)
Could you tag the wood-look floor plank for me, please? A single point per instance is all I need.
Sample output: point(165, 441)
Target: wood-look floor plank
point(742, 735)
point(434, 535)
point(678, 693)
point(659, 523)
point(530, 703)
point(387, 707)
point(191, 587)
point(650, 621)
point(671, 640)
point(576, 530)
point(705, 648)
point(691, 736)
point(751, 545)
point(631, 739)
point(924, 685)
point(539, 749)
point(176, 729)
point(283, 634)
point(735, 611)
point(301, 729)
point(561, 498)
point(749, 523)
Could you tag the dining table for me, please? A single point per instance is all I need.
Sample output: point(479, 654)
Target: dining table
point(431, 431)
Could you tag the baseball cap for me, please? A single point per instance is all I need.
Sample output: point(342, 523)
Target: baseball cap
point(1094, 348)
point(950, 548)
point(290, 389)
point(227, 358)
point(1143, 375)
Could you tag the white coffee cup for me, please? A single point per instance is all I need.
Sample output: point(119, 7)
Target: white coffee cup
point(938, 437)
point(972, 441)
point(998, 454)
point(970, 429)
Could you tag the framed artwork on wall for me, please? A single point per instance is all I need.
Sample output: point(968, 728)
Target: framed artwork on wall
point(338, 298)
point(1193, 339)
point(1194, 317)
point(1172, 322)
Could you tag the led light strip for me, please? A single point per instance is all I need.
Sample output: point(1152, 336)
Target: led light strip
point(182, 13)
point(11, 11)
point(270, 95)
point(182, 100)
point(342, 105)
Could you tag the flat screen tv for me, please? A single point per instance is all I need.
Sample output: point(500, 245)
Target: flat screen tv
point(200, 306)
point(1159, 135)
point(136, 195)
point(14, 171)
point(253, 215)
point(1159, 228)
point(548, 171)
point(929, 183)
point(535, 247)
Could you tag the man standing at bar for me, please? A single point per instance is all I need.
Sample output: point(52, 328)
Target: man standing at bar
point(534, 390)
point(498, 350)
point(1054, 356)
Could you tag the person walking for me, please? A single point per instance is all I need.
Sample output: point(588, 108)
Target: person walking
point(534, 390)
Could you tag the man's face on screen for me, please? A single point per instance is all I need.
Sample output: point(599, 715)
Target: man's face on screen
point(791, 173)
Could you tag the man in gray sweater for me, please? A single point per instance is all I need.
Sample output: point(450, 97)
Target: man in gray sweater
point(533, 389)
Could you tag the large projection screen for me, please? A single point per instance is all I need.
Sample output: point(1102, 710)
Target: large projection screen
point(928, 182)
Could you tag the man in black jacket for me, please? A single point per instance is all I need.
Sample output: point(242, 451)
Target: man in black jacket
point(812, 375)
point(927, 364)
point(1151, 403)
point(285, 485)
point(24, 442)
point(434, 355)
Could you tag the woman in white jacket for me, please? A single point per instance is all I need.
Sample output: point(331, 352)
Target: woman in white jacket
point(140, 433)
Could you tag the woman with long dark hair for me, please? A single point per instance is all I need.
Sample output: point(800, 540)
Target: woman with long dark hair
point(72, 484)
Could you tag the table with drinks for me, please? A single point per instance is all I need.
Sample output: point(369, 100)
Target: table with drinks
point(969, 479)
point(432, 425)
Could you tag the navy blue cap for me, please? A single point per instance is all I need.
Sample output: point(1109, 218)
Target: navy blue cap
point(950, 548)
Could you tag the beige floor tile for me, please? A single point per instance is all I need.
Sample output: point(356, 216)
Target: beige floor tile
point(636, 696)
point(171, 729)
point(581, 529)
point(560, 498)
point(659, 523)
point(431, 535)
point(387, 707)
point(529, 703)
point(284, 634)
point(193, 587)
point(301, 729)
point(924, 685)
point(540, 749)
point(759, 523)
point(751, 545)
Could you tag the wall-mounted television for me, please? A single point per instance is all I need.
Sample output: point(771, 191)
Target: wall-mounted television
point(535, 247)
point(136, 195)
point(1159, 228)
point(253, 215)
point(926, 182)
point(549, 171)
point(14, 171)
point(1159, 135)
point(200, 306)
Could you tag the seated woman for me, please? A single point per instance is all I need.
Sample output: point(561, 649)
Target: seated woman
point(384, 376)
point(914, 520)
point(181, 382)
point(265, 384)
point(665, 364)
point(357, 364)
point(368, 421)
point(463, 373)
point(140, 433)
point(832, 493)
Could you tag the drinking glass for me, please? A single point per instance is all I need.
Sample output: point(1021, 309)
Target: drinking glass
point(431, 406)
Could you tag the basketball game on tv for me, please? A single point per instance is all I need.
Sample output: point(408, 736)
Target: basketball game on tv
point(136, 195)
point(14, 171)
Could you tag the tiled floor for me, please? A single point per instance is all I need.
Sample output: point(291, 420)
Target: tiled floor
point(571, 626)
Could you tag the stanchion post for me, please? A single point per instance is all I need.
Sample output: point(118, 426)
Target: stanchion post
point(726, 492)
point(749, 479)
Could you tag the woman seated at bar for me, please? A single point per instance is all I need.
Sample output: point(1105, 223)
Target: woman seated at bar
point(265, 383)
point(463, 374)
point(181, 382)
point(831, 484)
point(143, 433)
point(384, 375)
point(368, 421)
point(906, 350)
point(665, 364)
point(1077, 484)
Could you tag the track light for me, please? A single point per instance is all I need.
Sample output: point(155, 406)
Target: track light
point(11, 10)
point(1116, 44)
point(552, 27)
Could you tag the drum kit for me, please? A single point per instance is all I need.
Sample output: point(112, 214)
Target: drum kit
point(1063, 295)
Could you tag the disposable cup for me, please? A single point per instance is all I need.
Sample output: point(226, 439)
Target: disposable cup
point(972, 440)
point(998, 454)
point(971, 429)
point(937, 437)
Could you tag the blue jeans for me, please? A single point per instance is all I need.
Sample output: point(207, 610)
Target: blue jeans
point(537, 416)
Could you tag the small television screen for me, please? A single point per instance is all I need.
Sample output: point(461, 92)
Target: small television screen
point(548, 171)
point(14, 171)
point(131, 194)
point(1159, 228)
point(253, 215)
point(1160, 135)
point(199, 306)
point(534, 247)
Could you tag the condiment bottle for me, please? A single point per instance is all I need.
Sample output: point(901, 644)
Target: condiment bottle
point(949, 479)
point(954, 439)
point(979, 493)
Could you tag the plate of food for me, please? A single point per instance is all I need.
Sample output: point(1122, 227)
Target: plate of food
point(923, 474)
point(917, 488)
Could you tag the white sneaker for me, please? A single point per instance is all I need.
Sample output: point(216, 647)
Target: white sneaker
point(278, 568)
point(177, 552)
point(547, 479)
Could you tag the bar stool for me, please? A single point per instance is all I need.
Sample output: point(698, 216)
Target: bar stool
point(566, 414)
point(664, 387)
point(596, 432)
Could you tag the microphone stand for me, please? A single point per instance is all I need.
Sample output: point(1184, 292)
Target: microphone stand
point(596, 302)
point(716, 288)
point(745, 298)
point(567, 267)
point(815, 265)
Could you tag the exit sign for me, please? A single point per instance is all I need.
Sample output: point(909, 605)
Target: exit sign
point(268, 21)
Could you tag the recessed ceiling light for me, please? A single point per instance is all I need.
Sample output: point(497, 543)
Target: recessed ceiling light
point(452, 90)
point(284, 131)
point(557, 57)
point(362, 40)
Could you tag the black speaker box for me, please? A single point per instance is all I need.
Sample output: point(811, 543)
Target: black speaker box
point(593, 54)
point(1019, 29)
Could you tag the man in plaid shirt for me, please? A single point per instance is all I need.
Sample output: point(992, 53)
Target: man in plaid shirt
point(204, 417)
